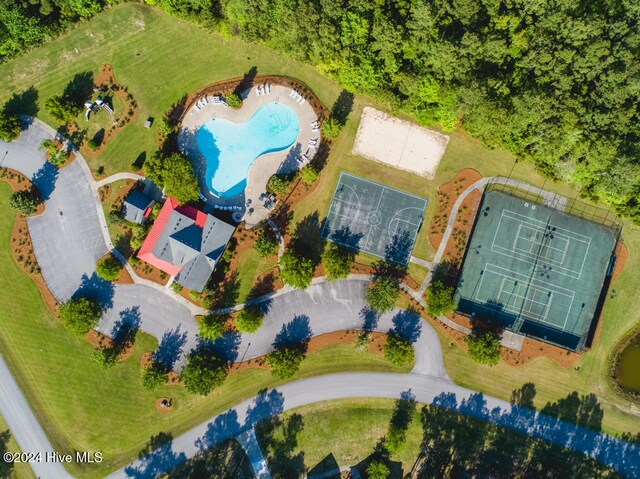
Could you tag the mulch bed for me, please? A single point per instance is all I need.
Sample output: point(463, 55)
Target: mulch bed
point(99, 340)
point(447, 194)
point(21, 246)
point(107, 79)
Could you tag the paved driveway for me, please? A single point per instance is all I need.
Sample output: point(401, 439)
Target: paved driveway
point(328, 307)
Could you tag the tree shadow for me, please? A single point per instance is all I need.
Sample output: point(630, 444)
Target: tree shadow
point(25, 103)
point(582, 410)
point(225, 347)
point(79, 88)
point(342, 107)
point(45, 180)
point(98, 138)
point(140, 159)
point(290, 162)
point(97, 289)
point(124, 329)
point(6, 467)
point(369, 319)
point(264, 285)
point(279, 440)
point(325, 467)
point(156, 458)
point(347, 238)
point(407, 324)
point(399, 249)
point(306, 239)
point(517, 441)
point(247, 81)
point(297, 332)
point(170, 348)
point(223, 461)
point(524, 395)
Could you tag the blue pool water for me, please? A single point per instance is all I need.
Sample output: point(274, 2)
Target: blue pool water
point(231, 148)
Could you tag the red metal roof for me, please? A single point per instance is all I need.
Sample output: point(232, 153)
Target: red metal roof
point(145, 252)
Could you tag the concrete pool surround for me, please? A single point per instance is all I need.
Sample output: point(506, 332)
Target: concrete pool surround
point(264, 166)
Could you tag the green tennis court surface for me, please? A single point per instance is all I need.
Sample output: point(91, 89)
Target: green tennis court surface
point(374, 218)
point(537, 270)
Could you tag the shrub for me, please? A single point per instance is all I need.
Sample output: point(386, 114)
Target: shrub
point(383, 294)
point(284, 362)
point(398, 351)
point(164, 128)
point(266, 244)
point(153, 376)
point(211, 327)
point(176, 287)
point(378, 470)
point(330, 128)
point(484, 348)
point(10, 127)
point(337, 261)
point(93, 144)
point(138, 233)
point(297, 270)
point(233, 100)
point(26, 202)
point(249, 319)
point(80, 314)
point(105, 357)
point(440, 298)
point(194, 295)
point(108, 268)
point(204, 372)
point(309, 174)
point(279, 184)
point(116, 217)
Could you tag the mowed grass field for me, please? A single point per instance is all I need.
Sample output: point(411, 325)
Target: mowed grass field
point(83, 407)
point(160, 59)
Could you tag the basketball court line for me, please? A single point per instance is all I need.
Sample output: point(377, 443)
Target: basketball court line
point(507, 273)
point(509, 253)
point(358, 215)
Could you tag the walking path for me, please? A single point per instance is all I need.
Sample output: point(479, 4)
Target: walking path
point(249, 443)
point(119, 176)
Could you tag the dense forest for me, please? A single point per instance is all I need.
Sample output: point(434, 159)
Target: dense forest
point(556, 82)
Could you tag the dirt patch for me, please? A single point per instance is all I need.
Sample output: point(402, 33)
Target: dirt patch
point(164, 405)
point(447, 194)
point(106, 82)
point(21, 245)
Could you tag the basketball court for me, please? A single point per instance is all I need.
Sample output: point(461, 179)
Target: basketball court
point(374, 218)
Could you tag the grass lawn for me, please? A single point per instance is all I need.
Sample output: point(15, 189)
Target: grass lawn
point(224, 461)
point(157, 57)
point(20, 470)
point(83, 407)
point(349, 430)
point(250, 267)
point(114, 229)
point(68, 392)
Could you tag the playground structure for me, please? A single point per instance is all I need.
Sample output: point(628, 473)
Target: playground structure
point(94, 106)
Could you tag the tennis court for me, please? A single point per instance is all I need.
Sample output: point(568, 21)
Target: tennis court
point(374, 218)
point(537, 270)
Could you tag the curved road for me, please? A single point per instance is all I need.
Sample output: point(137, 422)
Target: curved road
point(71, 233)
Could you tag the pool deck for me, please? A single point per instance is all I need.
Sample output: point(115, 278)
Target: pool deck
point(283, 161)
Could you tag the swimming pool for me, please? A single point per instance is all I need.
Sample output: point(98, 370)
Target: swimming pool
point(231, 148)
